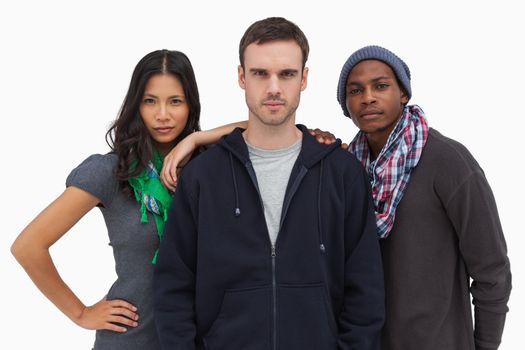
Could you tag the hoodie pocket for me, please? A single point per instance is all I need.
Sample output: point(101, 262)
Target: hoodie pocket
point(243, 321)
point(305, 317)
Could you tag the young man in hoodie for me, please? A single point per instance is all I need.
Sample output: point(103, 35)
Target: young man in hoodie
point(271, 240)
point(435, 212)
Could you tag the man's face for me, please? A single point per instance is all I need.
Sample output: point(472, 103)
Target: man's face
point(273, 79)
point(374, 99)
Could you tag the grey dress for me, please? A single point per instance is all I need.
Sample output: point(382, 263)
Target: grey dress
point(133, 244)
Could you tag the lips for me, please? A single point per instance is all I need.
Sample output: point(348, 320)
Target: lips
point(163, 129)
point(273, 104)
point(370, 113)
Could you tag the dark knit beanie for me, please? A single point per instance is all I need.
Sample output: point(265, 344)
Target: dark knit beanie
point(373, 53)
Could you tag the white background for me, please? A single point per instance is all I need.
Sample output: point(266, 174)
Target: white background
point(65, 67)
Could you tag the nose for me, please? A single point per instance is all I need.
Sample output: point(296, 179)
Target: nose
point(274, 87)
point(162, 113)
point(368, 96)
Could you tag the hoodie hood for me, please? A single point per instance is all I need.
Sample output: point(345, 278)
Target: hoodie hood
point(312, 151)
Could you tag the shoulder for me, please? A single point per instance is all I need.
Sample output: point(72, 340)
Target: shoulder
point(449, 165)
point(98, 163)
point(449, 154)
point(345, 171)
point(345, 156)
point(345, 160)
point(205, 167)
point(206, 160)
point(96, 175)
point(97, 166)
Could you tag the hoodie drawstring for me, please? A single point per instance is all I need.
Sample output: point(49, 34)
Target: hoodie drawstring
point(319, 226)
point(237, 211)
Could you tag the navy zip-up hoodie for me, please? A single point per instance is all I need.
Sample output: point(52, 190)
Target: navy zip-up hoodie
point(220, 284)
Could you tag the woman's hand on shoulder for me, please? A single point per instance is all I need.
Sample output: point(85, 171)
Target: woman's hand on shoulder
point(111, 315)
point(175, 160)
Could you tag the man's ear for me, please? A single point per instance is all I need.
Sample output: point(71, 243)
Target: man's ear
point(241, 77)
point(304, 79)
point(404, 97)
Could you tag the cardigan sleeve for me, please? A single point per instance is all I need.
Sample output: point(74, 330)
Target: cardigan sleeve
point(473, 212)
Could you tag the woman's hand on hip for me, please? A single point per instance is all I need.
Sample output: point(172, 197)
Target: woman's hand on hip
point(111, 315)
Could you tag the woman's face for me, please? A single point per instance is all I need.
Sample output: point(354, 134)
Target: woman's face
point(164, 110)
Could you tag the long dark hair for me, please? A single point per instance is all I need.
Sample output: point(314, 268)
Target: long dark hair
point(128, 137)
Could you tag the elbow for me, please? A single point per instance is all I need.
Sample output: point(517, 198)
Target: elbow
point(17, 249)
point(21, 250)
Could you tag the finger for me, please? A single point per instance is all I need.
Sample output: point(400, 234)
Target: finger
point(166, 167)
point(329, 136)
point(123, 320)
point(122, 303)
point(166, 178)
point(344, 146)
point(329, 140)
point(162, 179)
point(173, 177)
point(162, 176)
point(113, 327)
point(124, 312)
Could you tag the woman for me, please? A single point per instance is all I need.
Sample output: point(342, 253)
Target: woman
point(161, 108)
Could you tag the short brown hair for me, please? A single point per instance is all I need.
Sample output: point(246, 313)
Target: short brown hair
point(271, 29)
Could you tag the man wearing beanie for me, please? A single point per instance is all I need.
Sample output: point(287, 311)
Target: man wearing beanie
point(435, 213)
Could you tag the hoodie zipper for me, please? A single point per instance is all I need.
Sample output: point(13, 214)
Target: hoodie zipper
point(274, 298)
point(287, 200)
point(273, 254)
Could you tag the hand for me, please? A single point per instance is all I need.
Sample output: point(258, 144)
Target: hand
point(175, 160)
point(322, 136)
point(105, 313)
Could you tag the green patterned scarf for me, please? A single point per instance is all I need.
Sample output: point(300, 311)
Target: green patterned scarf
point(152, 195)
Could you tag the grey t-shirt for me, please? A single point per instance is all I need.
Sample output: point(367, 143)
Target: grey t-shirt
point(133, 244)
point(273, 168)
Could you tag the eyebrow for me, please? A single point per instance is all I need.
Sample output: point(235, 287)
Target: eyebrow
point(286, 70)
point(375, 80)
point(151, 95)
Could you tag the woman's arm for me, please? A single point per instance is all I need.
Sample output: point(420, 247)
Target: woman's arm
point(31, 250)
point(180, 154)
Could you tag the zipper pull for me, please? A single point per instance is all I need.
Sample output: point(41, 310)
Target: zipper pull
point(273, 251)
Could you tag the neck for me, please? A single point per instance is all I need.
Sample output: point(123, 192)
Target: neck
point(163, 148)
point(271, 136)
point(376, 144)
point(377, 140)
